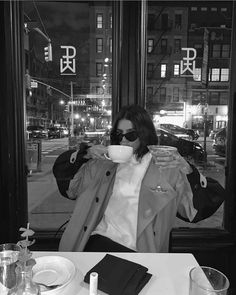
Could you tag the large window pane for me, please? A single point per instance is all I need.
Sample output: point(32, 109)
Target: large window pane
point(68, 97)
point(192, 40)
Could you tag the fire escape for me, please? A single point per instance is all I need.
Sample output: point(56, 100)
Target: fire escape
point(159, 25)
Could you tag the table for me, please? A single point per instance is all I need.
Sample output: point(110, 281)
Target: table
point(170, 271)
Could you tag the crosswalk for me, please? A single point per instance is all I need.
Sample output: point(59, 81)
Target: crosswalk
point(51, 149)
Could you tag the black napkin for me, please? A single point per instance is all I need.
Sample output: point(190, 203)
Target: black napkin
point(117, 276)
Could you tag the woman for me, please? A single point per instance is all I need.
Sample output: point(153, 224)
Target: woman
point(119, 207)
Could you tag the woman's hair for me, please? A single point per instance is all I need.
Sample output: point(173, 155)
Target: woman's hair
point(143, 125)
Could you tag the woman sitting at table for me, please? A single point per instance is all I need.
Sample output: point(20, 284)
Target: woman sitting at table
point(130, 206)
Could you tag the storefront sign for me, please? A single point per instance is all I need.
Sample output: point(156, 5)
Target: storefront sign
point(187, 64)
point(67, 62)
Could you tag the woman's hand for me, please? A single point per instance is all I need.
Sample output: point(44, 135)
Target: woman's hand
point(96, 152)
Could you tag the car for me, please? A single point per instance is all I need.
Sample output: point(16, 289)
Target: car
point(180, 131)
point(94, 137)
point(64, 131)
point(213, 132)
point(38, 132)
point(219, 142)
point(54, 132)
point(187, 148)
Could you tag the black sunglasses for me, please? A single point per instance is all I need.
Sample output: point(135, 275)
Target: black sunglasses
point(130, 136)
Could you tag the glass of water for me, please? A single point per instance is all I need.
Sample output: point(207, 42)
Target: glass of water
point(9, 254)
point(206, 280)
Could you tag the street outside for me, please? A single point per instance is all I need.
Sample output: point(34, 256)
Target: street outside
point(48, 210)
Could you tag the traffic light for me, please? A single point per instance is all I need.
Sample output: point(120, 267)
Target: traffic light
point(67, 108)
point(48, 52)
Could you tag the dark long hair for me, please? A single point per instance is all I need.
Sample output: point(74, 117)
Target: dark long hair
point(142, 123)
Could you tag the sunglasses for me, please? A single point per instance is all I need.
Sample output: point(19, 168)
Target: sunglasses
point(130, 136)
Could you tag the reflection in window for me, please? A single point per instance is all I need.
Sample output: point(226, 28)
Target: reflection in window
point(184, 100)
point(59, 108)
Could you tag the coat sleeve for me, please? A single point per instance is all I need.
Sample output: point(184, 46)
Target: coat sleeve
point(208, 195)
point(66, 166)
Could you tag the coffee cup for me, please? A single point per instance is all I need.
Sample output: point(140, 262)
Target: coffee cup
point(119, 153)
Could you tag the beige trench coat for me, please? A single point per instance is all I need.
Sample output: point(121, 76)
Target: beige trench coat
point(92, 187)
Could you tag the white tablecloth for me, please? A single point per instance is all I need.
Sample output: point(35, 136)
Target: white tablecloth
point(170, 272)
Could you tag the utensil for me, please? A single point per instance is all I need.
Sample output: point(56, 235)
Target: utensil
point(207, 281)
point(50, 287)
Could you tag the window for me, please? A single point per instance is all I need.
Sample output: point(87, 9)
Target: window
point(162, 94)
point(224, 98)
point(110, 45)
point(221, 50)
point(163, 70)
point(163, 45)
point(197, 74)
point(99, 90)
point(178, 21)
point(177, 45)
point(216, 50)
point(176, 94)
point(214, 98)
point(149, 92)
point(150, 45)
point(176, 70)
point(199, 48)
point(99, 21)
point(224, 75)
point(226, 50)
point(98, 69)
point(164, 21)
point(150, 67)
point(215, 74)
point(110, 21)
point(99, 45)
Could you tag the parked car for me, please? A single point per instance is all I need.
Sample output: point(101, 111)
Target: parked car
point(213, 132)
point(37, 131)
point(177, 130)
point(219, 142)
point(187, 148)
point(54, 132)
point(94, 137)
point(64, 131)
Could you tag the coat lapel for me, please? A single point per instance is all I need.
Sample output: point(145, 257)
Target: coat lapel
point(152, 202)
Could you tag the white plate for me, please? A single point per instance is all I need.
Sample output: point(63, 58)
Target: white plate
point(52, 270)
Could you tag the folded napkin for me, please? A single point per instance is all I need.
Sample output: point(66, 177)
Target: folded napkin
point(117, 276)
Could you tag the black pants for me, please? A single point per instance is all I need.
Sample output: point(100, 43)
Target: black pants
point(98, 243)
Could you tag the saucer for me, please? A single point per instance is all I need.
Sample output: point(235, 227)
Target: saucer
point(53, 270)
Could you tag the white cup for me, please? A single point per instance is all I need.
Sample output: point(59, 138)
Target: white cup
point(119, 153)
